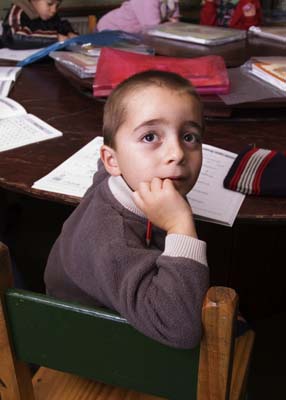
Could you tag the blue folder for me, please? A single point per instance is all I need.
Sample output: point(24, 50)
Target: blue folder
point(104, 38)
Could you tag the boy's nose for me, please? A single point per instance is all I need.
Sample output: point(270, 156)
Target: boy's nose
point(174, 152)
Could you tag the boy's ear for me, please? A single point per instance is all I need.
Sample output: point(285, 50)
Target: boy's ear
point(109, 159)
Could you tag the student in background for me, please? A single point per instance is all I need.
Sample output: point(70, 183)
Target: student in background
point(135, 15)
point(239, 14)
point(107, 254)
point(34, 24)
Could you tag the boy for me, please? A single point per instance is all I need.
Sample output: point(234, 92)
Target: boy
point(34, 24)
point(152, 157)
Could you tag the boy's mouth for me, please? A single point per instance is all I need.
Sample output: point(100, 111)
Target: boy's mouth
point(176, 178)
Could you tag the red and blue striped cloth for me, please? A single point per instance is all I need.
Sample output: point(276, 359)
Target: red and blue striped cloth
point(258, 171)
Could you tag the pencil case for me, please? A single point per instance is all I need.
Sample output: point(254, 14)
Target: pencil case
point(259, 172)
point(208, 74)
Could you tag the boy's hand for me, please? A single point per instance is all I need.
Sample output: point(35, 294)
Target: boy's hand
point(72, 35)
point(165, 207)
point(62, 38)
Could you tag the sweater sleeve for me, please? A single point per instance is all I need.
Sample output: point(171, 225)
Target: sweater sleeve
point(159, 289)
point(208, 13)
point(147, 12)
point(161, 295)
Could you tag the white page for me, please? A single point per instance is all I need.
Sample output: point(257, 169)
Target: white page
point(74, 176)
point(5, 87)
point(16, 55)
point(208, 198)
point(9, 108)
point(9, 73)
point(24, 129)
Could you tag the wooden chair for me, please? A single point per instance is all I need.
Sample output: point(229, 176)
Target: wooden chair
point(103, 358)
point(92, 20)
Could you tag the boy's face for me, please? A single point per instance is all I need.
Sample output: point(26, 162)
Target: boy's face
point(46, 8)
point(161, 137)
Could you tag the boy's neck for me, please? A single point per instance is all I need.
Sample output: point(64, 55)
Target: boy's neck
point(123, 194)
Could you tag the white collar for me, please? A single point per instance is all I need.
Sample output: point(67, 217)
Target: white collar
point(122, 192)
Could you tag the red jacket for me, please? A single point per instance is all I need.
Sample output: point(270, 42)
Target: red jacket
point(208, 15)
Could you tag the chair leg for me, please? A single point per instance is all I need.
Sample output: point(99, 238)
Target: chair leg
point(242, 354)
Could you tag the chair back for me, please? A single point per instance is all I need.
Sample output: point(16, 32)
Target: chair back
point(101, 345)
point(97, 344)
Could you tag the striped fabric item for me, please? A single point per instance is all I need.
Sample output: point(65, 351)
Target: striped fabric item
point(258, 171)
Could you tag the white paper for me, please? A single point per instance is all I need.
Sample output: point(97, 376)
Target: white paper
point(16, 55)
point(74, 176)
point(10, 108)
point(5, 87)
point(210, 201)
point(24, 129)
point(9, 73)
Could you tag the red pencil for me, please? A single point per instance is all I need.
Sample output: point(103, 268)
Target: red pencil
point(148, 233)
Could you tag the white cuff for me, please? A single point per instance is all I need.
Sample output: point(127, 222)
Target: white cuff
point(177, 245)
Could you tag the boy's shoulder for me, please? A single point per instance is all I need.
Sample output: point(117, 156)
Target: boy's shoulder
point(26, 7)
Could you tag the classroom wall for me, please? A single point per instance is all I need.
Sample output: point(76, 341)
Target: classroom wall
point(5, 4)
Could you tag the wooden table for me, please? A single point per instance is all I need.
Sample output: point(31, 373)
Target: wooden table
point(45, 93)
point(240, 256)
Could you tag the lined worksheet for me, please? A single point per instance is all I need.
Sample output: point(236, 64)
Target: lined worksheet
point(210, 201)
point(74, 176)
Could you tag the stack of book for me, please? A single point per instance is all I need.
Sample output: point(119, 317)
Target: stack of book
point(81, 65)
point(201, 34)
point(272, 70)
point(82, 59)
point(269, 32)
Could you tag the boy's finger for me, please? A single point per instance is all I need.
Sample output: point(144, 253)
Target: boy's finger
point(156, 184)
point(144, 187)
point(168, 184)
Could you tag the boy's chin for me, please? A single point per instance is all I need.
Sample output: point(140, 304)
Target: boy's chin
point(184, 190)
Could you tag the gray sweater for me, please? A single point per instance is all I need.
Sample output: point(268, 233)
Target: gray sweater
point(101, 259)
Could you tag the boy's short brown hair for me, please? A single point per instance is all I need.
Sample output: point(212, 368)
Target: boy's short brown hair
point(115, 108)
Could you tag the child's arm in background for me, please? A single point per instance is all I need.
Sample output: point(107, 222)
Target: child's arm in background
point(148, 12)
point(246, 14)
point(208, 13)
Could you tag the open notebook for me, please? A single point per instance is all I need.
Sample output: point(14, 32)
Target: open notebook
point(8, 76)
point(210, 201)
point(18, 128)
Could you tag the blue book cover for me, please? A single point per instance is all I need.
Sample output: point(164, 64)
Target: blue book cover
point(104, 38)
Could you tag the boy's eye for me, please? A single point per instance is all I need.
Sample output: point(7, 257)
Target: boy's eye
point(192, 138)
point(150, 137)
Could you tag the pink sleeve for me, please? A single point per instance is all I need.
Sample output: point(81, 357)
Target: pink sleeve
point(147, 11)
